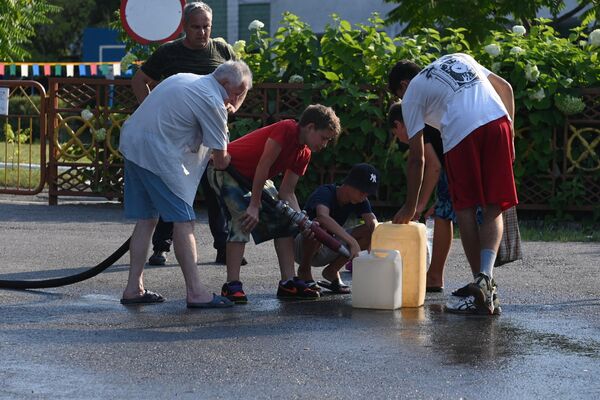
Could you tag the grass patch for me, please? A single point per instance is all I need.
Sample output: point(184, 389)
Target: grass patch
point(541, 231)
point(19, 178)
point(534, 229)
point(24, 153)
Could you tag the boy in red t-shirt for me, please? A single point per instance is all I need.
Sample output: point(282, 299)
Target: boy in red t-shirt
point(284, 147)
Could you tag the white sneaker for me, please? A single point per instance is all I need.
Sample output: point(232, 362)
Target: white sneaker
point(462, 305)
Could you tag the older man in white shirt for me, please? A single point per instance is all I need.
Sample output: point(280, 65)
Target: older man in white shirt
point(167, 144)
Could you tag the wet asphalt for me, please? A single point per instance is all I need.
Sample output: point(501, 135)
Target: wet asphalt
point(79, 342)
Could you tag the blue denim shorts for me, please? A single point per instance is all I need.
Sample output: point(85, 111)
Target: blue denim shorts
point(146, 197)
point(234, 201)
point(443, 205)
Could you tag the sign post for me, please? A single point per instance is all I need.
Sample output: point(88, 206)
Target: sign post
point(148, 21)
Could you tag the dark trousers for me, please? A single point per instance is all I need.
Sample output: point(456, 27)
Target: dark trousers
point(163, 233)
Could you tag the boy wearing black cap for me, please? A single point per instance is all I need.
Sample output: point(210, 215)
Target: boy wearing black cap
point(331, 205)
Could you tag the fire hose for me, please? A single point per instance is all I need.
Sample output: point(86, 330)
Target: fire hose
point(71, 279)
point(298, 218)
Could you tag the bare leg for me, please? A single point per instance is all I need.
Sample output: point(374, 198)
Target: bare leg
point(442, 241)
point(184, 245)
point(138, 251)
point(490, 232)
point(469, 236)
point(309, 249)
point(285, 254)
point(235, 253)
point(362, 234)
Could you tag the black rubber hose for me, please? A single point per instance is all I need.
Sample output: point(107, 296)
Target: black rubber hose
point(71, 279)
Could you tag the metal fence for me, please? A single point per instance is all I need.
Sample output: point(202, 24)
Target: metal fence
point(82, 158)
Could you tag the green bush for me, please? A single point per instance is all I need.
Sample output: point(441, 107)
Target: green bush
point(348, 66)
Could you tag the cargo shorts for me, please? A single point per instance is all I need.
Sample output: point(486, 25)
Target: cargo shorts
point(234, 200)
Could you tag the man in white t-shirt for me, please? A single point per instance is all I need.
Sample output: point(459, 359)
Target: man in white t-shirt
point(167, 143)
point(474, 109)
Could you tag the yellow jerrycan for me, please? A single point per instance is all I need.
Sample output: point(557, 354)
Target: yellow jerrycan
point(410, 240)
point(377, 280)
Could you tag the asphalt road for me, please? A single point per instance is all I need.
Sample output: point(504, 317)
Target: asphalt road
point(78, 342)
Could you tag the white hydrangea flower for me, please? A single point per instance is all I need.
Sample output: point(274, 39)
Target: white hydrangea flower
point(496, 66)
point(255, 25)
point(87, 114)
point(569, 105)
point(519, 30)
point(594, 38)
point(100, 134)
point(532, 73)
point(517, 50)
point(239, 46)
point(296, 79)
point(492, 49)
point(538, 95)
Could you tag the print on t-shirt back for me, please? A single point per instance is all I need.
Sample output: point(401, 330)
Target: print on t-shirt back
point(453, 72)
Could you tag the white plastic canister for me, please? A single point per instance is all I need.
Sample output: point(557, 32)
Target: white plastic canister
point(377, 280)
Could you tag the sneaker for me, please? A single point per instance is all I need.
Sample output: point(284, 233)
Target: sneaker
point(222, 258)
point(461, 292)
point(158, 258)
point(496, 302)
point(466, 305)
point(483, 292)
point(296, 289)
point(233, 291)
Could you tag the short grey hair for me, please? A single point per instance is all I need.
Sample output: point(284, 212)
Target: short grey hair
point(235, 72)
point(192, 7)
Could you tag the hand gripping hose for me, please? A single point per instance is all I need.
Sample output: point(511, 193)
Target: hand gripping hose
point(298, 218)
point(68, 280)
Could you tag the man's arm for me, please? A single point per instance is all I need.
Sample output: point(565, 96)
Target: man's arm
point(141, 85)
point(221, 159)
point(505, 91)
point(414, 178)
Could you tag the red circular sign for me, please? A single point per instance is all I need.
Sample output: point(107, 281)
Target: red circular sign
point(150, 21)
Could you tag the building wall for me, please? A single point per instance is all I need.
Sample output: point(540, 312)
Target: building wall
point(231, 17)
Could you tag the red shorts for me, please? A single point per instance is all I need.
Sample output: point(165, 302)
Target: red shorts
point(480, 168)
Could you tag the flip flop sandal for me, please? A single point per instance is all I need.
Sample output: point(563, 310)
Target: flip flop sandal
point(216, 302)
point(313, 285)
point(335, 287)
point(147, 298)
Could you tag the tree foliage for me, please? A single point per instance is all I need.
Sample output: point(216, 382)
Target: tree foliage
point(18, 19)
point(61, 38)
point(483, 16)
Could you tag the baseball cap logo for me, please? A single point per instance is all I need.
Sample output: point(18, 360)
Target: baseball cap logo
point(373, 178)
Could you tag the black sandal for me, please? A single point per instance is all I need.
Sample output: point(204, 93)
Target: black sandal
point(337, 286)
